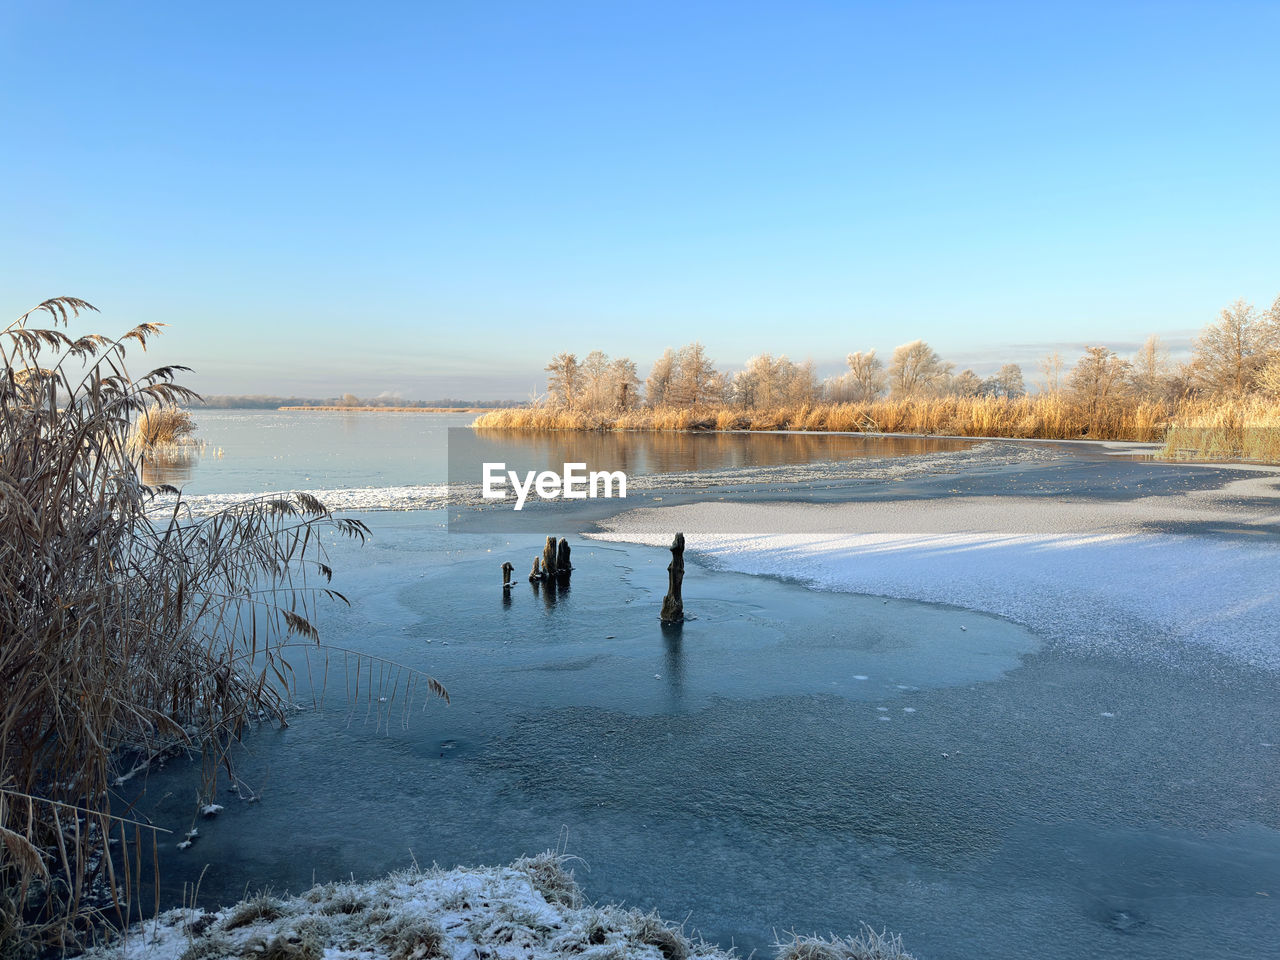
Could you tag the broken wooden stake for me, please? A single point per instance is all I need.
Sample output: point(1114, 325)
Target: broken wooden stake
point(507, 569)
point(549, 558)
point(672, 604)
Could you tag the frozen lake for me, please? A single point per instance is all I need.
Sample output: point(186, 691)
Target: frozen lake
point(790, 758)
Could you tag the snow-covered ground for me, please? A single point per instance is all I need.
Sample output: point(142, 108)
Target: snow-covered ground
point(1199, 568)
point(532, 909)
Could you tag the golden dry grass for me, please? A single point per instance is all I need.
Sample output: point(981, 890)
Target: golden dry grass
point(1247, 429)
point(1211, 428)
point(161, 426)
point(1043, 417)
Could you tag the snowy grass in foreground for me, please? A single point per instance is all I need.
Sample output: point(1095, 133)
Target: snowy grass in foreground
point(531, 909)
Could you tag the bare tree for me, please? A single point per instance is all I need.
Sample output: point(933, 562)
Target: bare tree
point(1231, 351)
point(767, 382)
point(864, 382)
point(564, 382)
point(1007, 382)
point(624, 384)
point(916, 368)
point(658, 386)
point(967, 384)
point(694, 380)
point(719, 388)
point(1051, 373)
point(1098, 376)
point(802, 385)
point(1268, 381)
point(1149, 370)
point(596, 394)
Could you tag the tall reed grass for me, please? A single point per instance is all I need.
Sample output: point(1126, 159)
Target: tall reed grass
point(1044, 417)
point(1245, 429)
point(1209, 428)
point(124, 632)
point(161, 426)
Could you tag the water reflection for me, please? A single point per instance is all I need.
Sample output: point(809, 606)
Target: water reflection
point(673, 661)
point(172, 465)
point(641, 453)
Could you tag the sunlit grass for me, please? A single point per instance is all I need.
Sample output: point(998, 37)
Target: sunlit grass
point(1246, 429)
point(1202, 429)
point(1043, 417)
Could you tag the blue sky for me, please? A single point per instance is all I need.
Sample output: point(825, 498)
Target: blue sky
point(432, 198)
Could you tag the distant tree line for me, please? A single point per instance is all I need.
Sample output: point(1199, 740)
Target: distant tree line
point(1236, 355)
point(263, 402)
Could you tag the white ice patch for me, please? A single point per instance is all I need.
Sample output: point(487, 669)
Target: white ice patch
point(1106, 575)
point(424, 497)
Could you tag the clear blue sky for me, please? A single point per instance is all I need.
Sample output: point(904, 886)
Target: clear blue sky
point(432, 198)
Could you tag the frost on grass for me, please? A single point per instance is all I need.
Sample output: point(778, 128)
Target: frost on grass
point(867, 945)
point(531, 910)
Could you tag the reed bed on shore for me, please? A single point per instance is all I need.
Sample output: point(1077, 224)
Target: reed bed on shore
point(1210, 428)
point(1246, 429)
point(1044, 417)
point(124, 634)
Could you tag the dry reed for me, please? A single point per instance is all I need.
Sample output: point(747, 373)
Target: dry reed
point(1245, 429)
point(1044, 417)
point(123, 634)
point(1208, 428)
point(161, 426)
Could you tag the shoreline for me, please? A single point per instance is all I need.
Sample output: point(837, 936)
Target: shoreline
point(338, 408)
point(531, 909)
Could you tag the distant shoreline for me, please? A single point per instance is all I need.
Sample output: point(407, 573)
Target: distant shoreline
point(379, 409)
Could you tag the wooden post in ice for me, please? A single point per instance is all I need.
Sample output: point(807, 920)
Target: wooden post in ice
point(507, 569)
point(536, 573)
point(549, 558)
point(562, 558)
point(672, 604)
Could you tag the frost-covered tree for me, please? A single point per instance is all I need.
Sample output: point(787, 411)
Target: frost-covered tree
point(624, 384)
point(694, 382)
point(767, 382)
point(916, 368)
point(1268, 381)
point(1007, 382)
point(658, 386)
point(1149, 370)
point(864, 382)
point(597, 391)
point(564, 380)
point(1051, 367)
point(1231, 351)
point(967, 384)
point(1098, 376)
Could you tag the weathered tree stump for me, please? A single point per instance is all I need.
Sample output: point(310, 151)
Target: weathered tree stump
point(549, 558)
point(536, 573)
point(563, 566)
point(507, 569)
point(672, 604)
